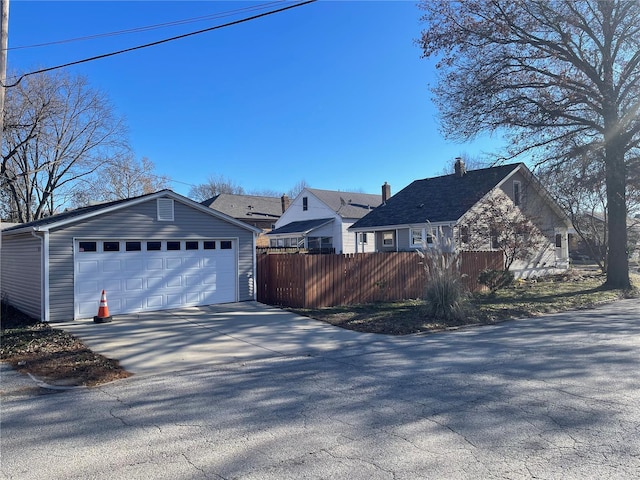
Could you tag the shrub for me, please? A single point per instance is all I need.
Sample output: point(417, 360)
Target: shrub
point(446, 297)
point(495, 279)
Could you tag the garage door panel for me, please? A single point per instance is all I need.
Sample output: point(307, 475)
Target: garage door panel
point(110, 285)
point(173, 263)
point(174, 299)
point(88, 266)
point(111, 266)
point(153, 280)
point(154, 302)
point(134, 284)
point(134, 264)
point(193, 280)
point(154, 264)
point(133, 303)
point(192, 298)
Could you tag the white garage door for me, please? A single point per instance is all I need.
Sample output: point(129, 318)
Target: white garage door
point(141, 275)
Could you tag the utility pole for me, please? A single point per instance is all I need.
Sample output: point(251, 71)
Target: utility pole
point(4, 44)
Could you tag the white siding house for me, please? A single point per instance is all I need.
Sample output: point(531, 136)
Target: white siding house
point(318, 220)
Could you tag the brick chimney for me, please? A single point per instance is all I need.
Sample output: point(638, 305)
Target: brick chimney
point(386, 192)
point(284, 200)
point(459, 167)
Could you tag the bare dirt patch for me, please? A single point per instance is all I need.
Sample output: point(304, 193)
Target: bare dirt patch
point(52, 355)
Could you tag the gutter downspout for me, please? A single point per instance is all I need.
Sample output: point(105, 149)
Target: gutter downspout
point(254, 277)
point(44, 272)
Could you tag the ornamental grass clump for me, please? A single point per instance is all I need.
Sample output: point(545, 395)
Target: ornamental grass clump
point(446, 296)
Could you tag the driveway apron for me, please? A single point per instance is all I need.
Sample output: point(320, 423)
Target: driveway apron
point(156, 342)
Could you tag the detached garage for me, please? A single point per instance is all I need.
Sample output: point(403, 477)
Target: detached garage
point(154, 252)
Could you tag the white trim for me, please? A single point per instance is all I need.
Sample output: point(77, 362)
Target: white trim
point(128, 203)
point(45, 273)
point(517, 200)
point(382, 228)
point(394, 239)
point(254, 275)
point(235, 241)
point(165, 209)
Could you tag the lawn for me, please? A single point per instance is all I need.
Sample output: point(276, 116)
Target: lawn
point(59, 358)
point(577, 290)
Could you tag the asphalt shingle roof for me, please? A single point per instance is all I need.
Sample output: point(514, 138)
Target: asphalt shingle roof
point(439, 199)
point(249, 207)
point(348, 204)
point(301, 227)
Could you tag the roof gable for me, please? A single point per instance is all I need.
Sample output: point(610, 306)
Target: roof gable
point(84, 213)
point(347, 204)
point(438, 199)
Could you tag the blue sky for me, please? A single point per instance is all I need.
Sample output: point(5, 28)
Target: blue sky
point(333, 93)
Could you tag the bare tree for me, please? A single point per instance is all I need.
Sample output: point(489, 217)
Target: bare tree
point(297, 188)
point(555, 75)
point(498, 224)
point(120, 178)
point(214, 186)
point(57, 131)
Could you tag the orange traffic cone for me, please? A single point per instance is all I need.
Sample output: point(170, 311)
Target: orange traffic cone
point(103, 311)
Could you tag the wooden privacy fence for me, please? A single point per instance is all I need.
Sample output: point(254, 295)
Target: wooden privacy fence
point(311, 281)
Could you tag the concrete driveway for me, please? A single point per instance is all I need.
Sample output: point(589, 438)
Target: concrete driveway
point(556, 397)
point(156, 342)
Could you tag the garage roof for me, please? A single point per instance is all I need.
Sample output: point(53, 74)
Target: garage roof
point(82, 213)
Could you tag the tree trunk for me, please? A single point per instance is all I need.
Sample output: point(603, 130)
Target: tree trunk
point(618, 260)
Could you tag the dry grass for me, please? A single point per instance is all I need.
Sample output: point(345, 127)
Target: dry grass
point(526, 299)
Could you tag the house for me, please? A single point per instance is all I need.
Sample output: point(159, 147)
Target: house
point(457, 210)
point(590, 241)
point(258, 211)
point(153, 252)
point(318, 220)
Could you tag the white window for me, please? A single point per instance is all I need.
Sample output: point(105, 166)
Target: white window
point(420, 235)
point(362, 238)
point(416, 237)
point(387, 239)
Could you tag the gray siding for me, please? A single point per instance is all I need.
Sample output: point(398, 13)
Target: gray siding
point(534, 206)
point(22, 273)
point(140, 222)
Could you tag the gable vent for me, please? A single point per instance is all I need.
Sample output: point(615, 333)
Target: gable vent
point(165, 210)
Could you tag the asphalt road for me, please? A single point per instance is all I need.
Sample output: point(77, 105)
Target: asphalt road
point(553, 397)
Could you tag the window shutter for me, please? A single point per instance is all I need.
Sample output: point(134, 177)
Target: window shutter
point(165, 210)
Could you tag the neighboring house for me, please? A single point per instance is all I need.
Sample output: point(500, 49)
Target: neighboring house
point(318, 220)
point(153, 252)
point(259, 211)
point(455, 207)
point(592, 243)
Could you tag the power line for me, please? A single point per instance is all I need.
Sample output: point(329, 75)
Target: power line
point(159, 42)
point(227, 13)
